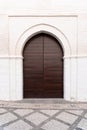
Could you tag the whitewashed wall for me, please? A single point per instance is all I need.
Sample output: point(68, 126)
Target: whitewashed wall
point(65, 20)
point(82, 57)
point(4, 60)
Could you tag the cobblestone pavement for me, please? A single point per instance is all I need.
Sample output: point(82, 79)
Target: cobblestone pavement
point(42, 119)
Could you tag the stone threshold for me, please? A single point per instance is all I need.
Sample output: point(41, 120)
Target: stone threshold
point(43, 104)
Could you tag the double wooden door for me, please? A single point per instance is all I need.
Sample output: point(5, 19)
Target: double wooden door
point(43, 67)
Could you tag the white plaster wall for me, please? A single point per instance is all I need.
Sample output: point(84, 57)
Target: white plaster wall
point(82, 34)
point(48, 7)
point(26, 27)
point(66, 25)
point(68, 17)
point(82, 79)
point(4, 79)
point(16, 79)
point(4, 61)
point(82, 57)
point(3, 35)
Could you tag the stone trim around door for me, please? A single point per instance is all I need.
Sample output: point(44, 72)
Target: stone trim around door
point(16, 64)
point(19, 62)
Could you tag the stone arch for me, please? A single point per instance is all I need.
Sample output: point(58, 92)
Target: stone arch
point(49, 29)
point(64, 42)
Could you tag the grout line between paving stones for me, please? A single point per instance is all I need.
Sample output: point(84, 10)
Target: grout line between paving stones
point(6, 124)
point(75, 124)
point(18, 118)
point(50, 117)
point(59, 120)
point(47, 120)
point(73, 113)
point(23, 117)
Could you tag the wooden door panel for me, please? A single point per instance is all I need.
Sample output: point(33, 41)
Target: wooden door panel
point(52, 67)
point(33, 66)
point(43, 68)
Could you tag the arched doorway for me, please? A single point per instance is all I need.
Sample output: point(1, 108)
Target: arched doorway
point(43, 67)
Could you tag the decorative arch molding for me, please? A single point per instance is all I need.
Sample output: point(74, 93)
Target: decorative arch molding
point(49, 29)
point(26, 35)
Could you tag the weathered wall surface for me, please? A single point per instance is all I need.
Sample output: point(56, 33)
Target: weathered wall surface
point(65, 20)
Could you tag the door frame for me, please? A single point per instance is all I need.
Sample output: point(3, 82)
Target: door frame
point(63, 40)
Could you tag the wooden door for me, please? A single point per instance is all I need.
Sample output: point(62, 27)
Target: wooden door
point(43, 67)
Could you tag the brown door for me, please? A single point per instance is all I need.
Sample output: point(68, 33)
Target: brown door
point(43, 67)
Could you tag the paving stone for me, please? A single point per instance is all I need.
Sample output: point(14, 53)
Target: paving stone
point(50, 112)
point(83, 124)
point(36, 118)
point(78, 129)
point(41, 129)
point(19, 125)
point(63, 121)
point(1, 128)
point(2, 110)
point(6, 118)
point(66, 117)
point(77, 112)
point(23, 112)
point(55, 125)
point(86, 115)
